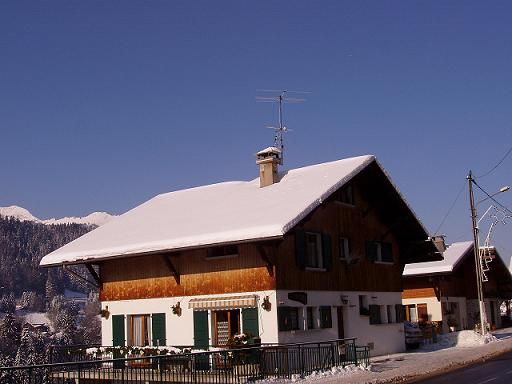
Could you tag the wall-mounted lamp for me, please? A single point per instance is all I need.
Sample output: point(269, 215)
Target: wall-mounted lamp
point(344, 299)
point(266, 305)
point(105, 312)
point(176, 309)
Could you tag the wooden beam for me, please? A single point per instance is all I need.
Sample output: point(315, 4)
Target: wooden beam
point(94, 274)
point(266, 258)
point(172, 268)
point(69, 270)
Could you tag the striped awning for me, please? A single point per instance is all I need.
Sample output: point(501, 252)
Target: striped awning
point(230, 302)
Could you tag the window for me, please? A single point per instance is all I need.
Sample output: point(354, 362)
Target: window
point(226, 325)
point(363, 305)
point(375, 317)
point(410, 313)
point(345, 195)
point(288, 318)
point(310, 317)
point(139, 330)
point(314, 250)
point(344, 248)
point(325, 317)
point(222, 251)
point(379, 251)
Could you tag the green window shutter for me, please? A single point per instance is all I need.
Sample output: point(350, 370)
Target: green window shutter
point(371, 250)
point(283, 318)
point(326, 251)
point(201, 340)
point(375, 314)
point(387, 252)
point(118, 330)
point(300, 248)
point(158, 329)
point(250, 322)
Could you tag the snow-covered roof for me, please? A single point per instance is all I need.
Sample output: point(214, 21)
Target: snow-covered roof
point(227, 212)
point(452, 256)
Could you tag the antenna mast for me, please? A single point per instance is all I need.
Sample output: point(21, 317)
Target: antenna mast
point(281, 98)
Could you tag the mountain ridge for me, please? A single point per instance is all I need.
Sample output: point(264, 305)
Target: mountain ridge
point(23, 214)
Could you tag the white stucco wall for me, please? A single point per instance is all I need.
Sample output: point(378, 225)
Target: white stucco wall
point(383, 338)
point(180, 329)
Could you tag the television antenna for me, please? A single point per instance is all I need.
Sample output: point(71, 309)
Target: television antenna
point(281, 97)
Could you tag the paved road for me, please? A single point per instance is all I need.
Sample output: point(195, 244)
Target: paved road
point(496, 371)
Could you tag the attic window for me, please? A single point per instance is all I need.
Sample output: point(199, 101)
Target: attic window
point(345, 195)
point(222, 251)
point(379, 251)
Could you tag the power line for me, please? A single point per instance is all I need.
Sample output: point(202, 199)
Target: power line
point(450, 209)
point(497, 165)
point(492, 197)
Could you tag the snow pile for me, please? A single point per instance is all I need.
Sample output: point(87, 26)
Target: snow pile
point(472, 338)
point(461, 339)
point(334, 372)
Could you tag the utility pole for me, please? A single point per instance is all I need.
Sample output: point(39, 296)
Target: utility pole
point(478, 259)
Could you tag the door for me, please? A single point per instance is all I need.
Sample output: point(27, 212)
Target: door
point(341, 328)
point(226, 325)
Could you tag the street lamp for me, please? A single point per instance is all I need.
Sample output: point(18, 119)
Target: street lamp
point(476, 248)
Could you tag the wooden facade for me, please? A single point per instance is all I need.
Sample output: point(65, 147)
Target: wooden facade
point(375, 213)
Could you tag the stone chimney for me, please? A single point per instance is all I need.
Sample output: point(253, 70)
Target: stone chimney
point(268, 160)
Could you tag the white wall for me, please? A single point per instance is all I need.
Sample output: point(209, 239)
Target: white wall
point(386, 338)
point(180, 329)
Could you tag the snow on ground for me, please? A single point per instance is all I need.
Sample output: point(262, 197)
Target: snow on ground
point(453, 350)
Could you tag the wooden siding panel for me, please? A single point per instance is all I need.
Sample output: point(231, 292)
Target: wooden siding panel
point(359, 223)
point(148, 276)
point(416, 293)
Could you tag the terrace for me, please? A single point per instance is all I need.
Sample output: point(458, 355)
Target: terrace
point(238, 365)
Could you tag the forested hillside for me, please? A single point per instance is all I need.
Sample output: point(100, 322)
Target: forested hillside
point(26, 288)
point(22, 245)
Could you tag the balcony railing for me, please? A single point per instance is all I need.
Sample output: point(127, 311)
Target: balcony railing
point(237, 365)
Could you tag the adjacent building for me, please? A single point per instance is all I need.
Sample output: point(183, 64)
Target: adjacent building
point(446, 291)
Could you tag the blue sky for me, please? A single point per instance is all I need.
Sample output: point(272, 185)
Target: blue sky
point(104, 104)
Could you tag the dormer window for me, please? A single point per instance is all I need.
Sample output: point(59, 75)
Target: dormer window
point(222, 251)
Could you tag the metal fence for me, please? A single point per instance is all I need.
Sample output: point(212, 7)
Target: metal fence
point(238, 365)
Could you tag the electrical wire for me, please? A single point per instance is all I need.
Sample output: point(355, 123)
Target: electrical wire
point(450, 209)
point(497, 165)
point(492, 197)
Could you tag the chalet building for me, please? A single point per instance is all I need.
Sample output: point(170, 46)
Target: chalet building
point(446, 291)
point(309, 254)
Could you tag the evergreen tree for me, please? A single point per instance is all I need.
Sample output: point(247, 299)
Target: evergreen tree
point(9, 334)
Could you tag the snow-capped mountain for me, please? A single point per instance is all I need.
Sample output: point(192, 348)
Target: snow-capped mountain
point(22, 214)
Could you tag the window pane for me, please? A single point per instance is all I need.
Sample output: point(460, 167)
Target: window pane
point(313, 250)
